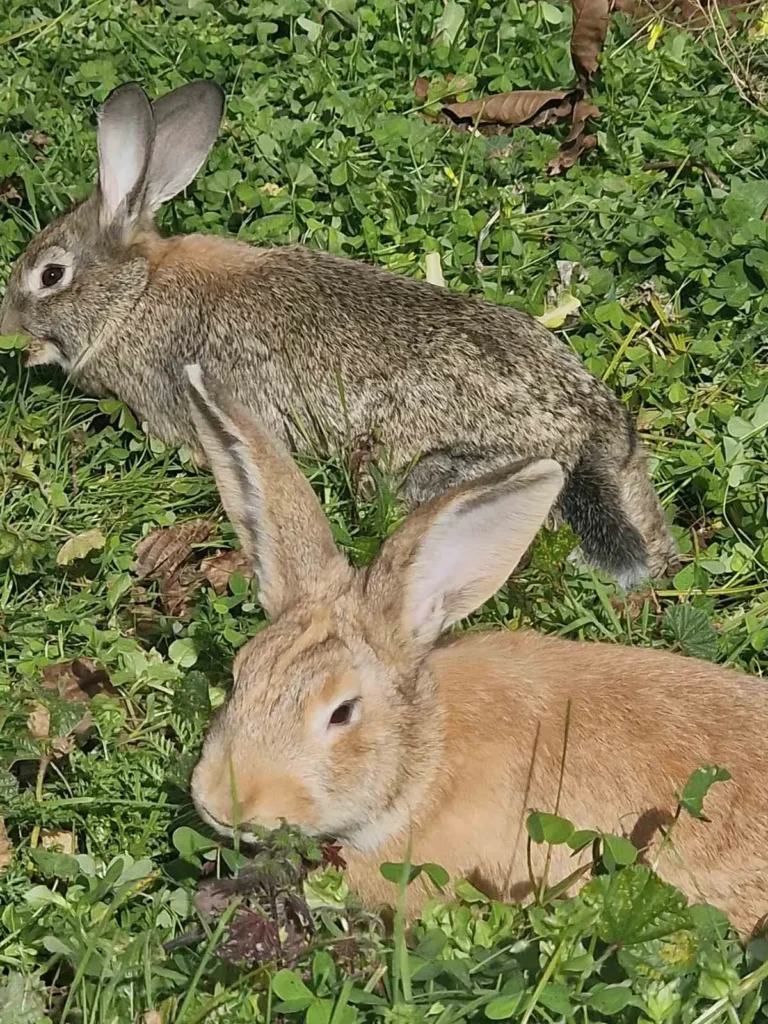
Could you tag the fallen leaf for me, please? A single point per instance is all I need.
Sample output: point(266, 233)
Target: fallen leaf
point(39, 139)
point(63, 842)
point(590, 25)
point(74, 681)
point(80, 545)
point(77, 680)
point(152, 1017)
point(163, 552)
point(556, 317)
point(163, 555)
point(576, 141)
point(38, 720)
point(6, 848)
point(421, 88)
point(533, 107)
point(218, 569)
point(434, 269)
point(9, 192)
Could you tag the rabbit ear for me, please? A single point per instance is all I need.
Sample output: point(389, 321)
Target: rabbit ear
point(455, 552)
point(125, 142)
point(269, 501)
point(186, 124)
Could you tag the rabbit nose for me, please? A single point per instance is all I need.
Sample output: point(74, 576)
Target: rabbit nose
point(213, 797)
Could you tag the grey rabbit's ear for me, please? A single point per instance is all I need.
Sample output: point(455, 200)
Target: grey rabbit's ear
point(125, 135)
point(186, 125)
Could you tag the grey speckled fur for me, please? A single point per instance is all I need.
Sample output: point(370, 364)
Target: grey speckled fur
point(343, 348)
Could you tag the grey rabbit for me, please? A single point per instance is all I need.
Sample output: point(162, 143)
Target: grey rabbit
point(454, 386)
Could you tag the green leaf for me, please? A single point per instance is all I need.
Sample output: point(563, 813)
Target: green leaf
point(189, 842)
point(437, 875)
point(183, 653)
point(556, 999)
point(691, 630)
point(503, 1007)
point(698, 785)
point(319, 1012)
point(618, 852)
point(581, 838)
point(449, 23)
point(288, 986)
point(548, 828)
point(466, 891)
point(610, 999)
point(394, 872)
point(636, 906)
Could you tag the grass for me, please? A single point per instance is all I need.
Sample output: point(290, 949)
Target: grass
point(322, 145)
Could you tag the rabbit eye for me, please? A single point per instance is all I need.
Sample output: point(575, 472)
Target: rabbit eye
point(343, 713)
point(51, 275)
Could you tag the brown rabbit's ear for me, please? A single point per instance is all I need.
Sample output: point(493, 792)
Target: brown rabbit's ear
point(268, 500)
point(186, 125)
point(125, 135)
point(453, 554)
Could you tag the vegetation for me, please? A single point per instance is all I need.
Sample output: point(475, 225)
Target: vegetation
point(659, 233)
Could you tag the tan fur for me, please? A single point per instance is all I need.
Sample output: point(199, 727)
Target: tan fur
point(199, 256)
point(454, 741)
point(640, 723)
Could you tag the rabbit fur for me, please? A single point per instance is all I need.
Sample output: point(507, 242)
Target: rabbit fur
point(323, 349)
point(351, 716)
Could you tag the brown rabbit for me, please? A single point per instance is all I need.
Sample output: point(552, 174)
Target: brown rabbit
point(337, 347)
point(351, 718)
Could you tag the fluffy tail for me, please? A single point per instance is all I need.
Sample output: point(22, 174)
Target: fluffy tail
point(591, 505)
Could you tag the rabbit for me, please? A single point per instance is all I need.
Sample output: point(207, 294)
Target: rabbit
point(322, 348)
point(352, 716)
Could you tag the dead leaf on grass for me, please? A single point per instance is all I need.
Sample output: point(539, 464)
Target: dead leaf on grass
point(75, 681)
point(62, 842)
point(535, 108)
point(218, 569)
point(163, 556)
point(8, 191)
point(590, 25)
point(577, 140)
point(38, 720)
point(163, 552)
point(80, 545)
point(421, 88)
point(152, 1017)
point(6, 848)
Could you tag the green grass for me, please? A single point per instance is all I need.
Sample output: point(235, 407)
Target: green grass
point(322, 144)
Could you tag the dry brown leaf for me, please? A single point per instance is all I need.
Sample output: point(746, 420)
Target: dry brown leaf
point(590, 24)
point(38, 720)
point(220, 567)
point(162, 553)
point(421, 88)
point(535, 107)
point(576, 141)
point(8, 191)
point(152, 1017)
point(63, 842)
point(39, 139)
point(76, 681)
point(6, 848)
